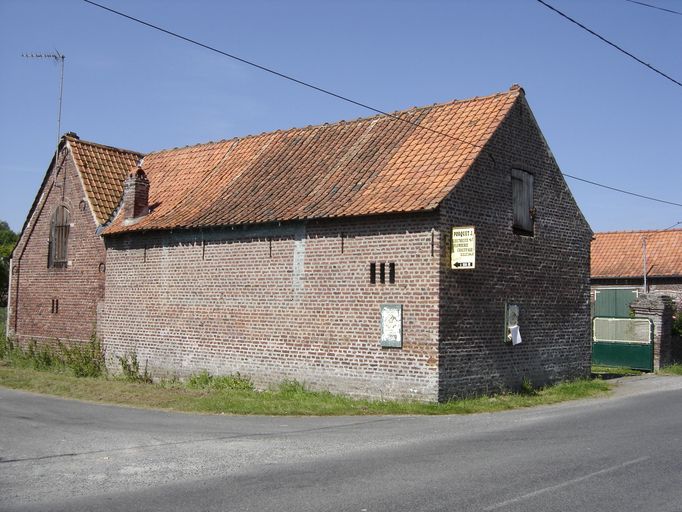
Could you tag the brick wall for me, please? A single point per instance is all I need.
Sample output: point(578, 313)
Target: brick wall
point(78, 286)
point(275, 302)
point(546, 275)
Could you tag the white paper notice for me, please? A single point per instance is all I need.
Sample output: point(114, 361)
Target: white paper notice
point(515, 334)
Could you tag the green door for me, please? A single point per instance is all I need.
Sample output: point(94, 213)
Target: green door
point(613, 302)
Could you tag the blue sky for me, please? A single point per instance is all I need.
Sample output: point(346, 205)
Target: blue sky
point(606, 118)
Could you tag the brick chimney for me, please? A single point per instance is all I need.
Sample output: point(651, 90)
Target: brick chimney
point(136, 195)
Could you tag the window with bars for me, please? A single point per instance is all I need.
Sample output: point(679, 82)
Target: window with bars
point(59, 238)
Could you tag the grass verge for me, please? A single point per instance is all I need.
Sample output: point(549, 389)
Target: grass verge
point(79, 373)
point(606, 372)
point(290, 398)
point(673, 369)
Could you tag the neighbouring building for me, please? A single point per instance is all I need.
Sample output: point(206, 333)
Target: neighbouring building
point(617, 268)
point(392, 256)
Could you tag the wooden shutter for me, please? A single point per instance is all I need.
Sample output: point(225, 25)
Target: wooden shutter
point(522, 200)
point(59, 237)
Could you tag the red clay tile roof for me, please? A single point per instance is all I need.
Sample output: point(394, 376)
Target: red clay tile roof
point(103, 170)
point(367, 166)
point(619, 254)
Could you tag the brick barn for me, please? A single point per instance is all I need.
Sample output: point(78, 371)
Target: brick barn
point(373, 257)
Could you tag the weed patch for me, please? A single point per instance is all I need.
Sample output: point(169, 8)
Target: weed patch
point(673, 369)
point(204, 380)
point(83, 360)
point(130, 369)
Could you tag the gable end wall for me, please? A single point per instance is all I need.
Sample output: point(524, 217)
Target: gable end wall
point(546, 275)
point(78, 287)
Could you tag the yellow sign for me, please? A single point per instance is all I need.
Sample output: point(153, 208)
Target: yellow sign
point(463, 247)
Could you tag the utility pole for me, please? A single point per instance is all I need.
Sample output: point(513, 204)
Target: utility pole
point(59, 59)
point(644, 258)
point(644, 270)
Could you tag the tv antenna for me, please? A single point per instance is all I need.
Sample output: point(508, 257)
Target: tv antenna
point(59, 59)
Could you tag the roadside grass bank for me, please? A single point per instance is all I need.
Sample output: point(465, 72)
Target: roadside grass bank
point(611, 372)
point(288, 398)
point(673, 369)
point(79, 373)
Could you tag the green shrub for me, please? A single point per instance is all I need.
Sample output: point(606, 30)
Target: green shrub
point(130, 368)
point(84, 360)
point(43, 357)
point(527, 387)
point(81, 360)
point(677, 323)
point(5, 346)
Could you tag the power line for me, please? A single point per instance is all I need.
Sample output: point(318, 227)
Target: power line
point(336, 95)
point(277, 73)
point(670, 227)
point(654, 7)
point(610, 43)
point(622, 191)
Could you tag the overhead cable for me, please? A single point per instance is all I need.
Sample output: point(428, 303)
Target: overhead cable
point(335, 95)
point(602, 38)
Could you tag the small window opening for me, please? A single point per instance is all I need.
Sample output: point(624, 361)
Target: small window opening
point(391, 273)
point(373, 273)
point(55, 306)
point(59, 238)
point(382, 273)
point(522, 202)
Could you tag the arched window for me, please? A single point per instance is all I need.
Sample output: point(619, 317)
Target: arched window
point(59, 238)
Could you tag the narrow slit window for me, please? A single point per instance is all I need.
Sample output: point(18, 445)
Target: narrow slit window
point(59, 238)
point(382, 273)
point(391, 273)
point(372, 273)
point(522, 201)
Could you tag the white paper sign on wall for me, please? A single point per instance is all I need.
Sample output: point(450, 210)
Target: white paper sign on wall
point(392, 325)
point(463, 248)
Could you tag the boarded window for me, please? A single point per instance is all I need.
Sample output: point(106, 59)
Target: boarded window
point(59, 238)
point(522, 200)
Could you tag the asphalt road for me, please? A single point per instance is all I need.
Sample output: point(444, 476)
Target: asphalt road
point(615, 454)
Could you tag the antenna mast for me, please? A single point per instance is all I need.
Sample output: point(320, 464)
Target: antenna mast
point(59, 59)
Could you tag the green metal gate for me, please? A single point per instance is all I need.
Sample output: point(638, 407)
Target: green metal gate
point(613, 302)
point(623, 343)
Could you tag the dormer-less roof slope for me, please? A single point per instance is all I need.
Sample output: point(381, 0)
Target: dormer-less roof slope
point(368, 166)
point(619, 254)
point(103, 170)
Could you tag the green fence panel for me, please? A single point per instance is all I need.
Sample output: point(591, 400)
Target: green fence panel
point(637, 356)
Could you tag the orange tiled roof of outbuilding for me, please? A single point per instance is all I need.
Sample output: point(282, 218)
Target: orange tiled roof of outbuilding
point(619, 254)
point(367, 166)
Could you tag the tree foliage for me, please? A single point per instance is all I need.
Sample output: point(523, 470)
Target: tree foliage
point(8, 240)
